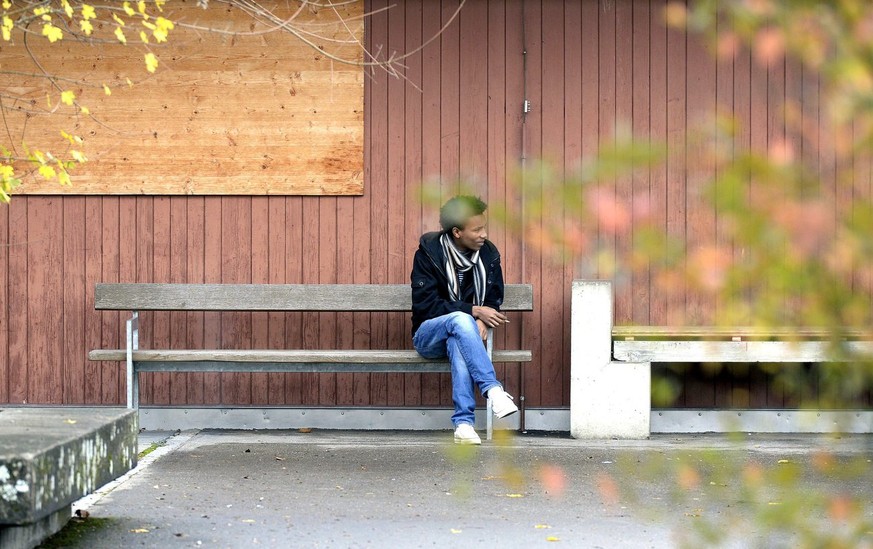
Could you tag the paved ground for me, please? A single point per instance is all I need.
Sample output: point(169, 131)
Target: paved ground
point(415, 489)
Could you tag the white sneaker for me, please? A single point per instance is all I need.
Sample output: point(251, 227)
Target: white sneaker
point(501, 402)
point(465, 434)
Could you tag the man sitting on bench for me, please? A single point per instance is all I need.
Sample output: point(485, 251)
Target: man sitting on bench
point(457, 290)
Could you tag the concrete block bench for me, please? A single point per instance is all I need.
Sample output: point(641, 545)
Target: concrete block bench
point(53, 456)
point(610, 366)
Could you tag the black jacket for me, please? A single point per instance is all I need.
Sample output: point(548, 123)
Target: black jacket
point(430, 291)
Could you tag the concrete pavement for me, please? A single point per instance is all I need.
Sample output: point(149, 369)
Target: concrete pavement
point(416, 489)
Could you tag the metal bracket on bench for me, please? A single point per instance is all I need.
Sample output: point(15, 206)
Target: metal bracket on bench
point(132, 376)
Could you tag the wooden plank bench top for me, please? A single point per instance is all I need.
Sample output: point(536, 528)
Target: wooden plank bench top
point(735, 333)
point(247, 360)
point(735, 344)
point(276, 297)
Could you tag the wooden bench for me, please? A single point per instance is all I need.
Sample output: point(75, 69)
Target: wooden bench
point(610, 393)
point(277, 298)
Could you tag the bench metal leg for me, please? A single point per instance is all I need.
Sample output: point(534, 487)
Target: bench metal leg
point(132, 374)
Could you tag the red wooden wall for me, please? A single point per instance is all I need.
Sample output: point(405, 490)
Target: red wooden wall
point(590, 67)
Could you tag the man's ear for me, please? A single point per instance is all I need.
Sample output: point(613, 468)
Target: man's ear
point(456, 232)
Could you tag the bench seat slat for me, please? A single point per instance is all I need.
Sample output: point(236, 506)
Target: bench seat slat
point(741, 332)
point(276, 297)
point(732, 351)
point(291, 356)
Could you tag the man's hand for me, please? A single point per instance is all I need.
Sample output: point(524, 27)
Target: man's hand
point(492, 318)
point(483, 329)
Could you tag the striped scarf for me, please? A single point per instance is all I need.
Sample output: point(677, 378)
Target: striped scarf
point(457, 262)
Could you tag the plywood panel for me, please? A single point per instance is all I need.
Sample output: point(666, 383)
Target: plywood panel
point(73, 274)
point(4, 301)
point(433, 386)
point(266, 115)
point(532, 261)
point(641, 289)
point(552, 100)
point(19, 323)
point(45, 299)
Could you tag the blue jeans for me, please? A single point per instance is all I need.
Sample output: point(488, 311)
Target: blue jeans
point(456, 335)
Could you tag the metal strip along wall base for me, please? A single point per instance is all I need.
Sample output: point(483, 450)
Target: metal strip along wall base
point(156, 418)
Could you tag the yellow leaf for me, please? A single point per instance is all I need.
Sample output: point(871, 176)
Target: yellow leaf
point(141, 6)
point(129, 83)
point(144, 37)
point(249, 521)
point(542, 526)
point(52, 32)
point(68, 9)
point(120, 35)
point(6, 171)
point(151, 62)
point(86, 27)
point(7, 4)
point(783, 461)
point(118, 20)
point(553, 538)
point(454, 531)
point(67, 97)
point(127, 9)
point(164, 26)
point(514, 495)
point(106, 90)
point(70, 421)
point(84, 110)
point(78, 156)
point(47, 172)
point(139, 531)
point(88, 12)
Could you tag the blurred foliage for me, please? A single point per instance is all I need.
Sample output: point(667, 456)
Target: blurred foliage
point(721, 497)
point(790, 245)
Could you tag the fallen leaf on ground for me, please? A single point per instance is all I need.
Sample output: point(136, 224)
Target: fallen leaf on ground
point(553, 538)
point(454, 531)
point(514, 495)
point(139, 531)
point(542, 526)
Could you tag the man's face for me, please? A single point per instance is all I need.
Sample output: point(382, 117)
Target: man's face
point(473, 235)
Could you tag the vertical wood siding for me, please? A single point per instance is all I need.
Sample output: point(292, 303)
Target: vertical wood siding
point(590, 67)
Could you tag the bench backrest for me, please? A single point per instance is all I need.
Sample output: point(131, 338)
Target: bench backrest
point(275, 297)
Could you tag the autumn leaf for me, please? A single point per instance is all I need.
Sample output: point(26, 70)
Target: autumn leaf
point(151, 62)
point(119, 34)
point(88, 12)
point(67, 97)
point(47, 172)
point(52, 32)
